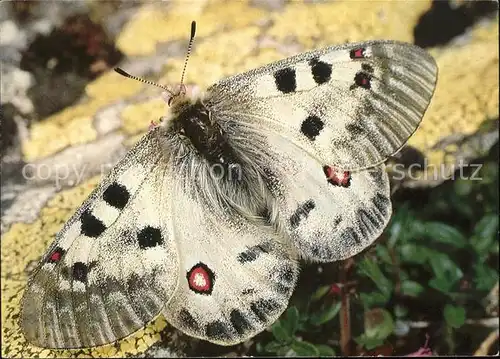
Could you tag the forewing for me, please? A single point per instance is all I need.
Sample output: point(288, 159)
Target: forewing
point(235, 277)
point(113, 266)
point(351, 105)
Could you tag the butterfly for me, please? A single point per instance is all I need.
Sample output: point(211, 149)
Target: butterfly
point(206, 218)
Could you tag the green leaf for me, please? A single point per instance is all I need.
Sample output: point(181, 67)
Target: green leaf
point(292, 321)
point(370, 269)
point(383, 254)
point(443, 267)
point(320, 292)
point(485, 233)
point(485, 277)
point(280, 333)
point(325, 350)
point(461, 206)
point(326, 315)
point(454, 315)
point(413, 253)
point(302, 348)
point(441, 284)
point(400, 311)
point(395, 231)
point(411, 288)
point(374, 299)
point(273, 347)
point(378, 323)
point(368, 343)
point(445, 234)
point(462, 187)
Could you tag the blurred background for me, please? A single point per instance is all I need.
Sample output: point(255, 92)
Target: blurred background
point(429, 285)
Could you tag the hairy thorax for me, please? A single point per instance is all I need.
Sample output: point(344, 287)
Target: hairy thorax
point(212, 167)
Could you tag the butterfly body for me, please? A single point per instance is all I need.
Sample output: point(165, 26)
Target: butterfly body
point(192, 120)
point(206, 217)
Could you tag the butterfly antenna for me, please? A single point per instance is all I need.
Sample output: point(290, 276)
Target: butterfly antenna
point(193, 32)
point(126, 74)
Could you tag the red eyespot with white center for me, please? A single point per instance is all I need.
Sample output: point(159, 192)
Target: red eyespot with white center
point(337, 177)
point(201, 279)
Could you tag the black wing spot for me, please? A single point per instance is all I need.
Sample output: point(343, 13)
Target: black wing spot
point(319, 252)
point(218, 330)
point(367, 68)
point(252, 253)
point(362, 80)
point(355, 130)
point(367, 218)
point(80, 271)
point(301, 212)
point(321, 71)
point(284, 279)
point(91, 225)
point(311, 127)
point(382, 203)
point(353, 234)
point(116, 195)
point(285, 80)
point(186, 318)
point(149, 237)
point(239, 321)
point(263, 308)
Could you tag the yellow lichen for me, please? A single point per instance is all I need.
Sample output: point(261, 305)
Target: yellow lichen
point(338, 22)
point(215, 58)
point(57, 132)
point(161, 23)
point(137, 117)
point(111, 86)
point(486, 31)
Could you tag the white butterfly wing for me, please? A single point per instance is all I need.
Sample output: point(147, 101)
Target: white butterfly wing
point(236, 277)
point(329, 214)
point(351, 105)
point(112, 267)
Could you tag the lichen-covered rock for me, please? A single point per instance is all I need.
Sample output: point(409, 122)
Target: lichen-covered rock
point(233, 36)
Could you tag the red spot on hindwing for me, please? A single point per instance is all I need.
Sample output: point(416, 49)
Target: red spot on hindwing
point(337, 177)
point(201, 279)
